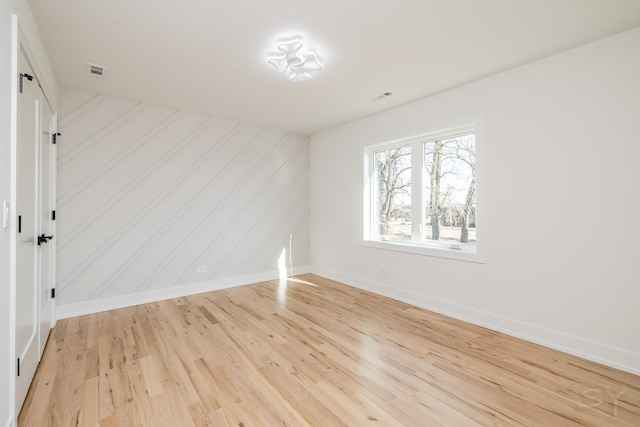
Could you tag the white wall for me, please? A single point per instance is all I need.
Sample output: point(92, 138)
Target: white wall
point(45, 76)
point(561, 134)
point(148, 195)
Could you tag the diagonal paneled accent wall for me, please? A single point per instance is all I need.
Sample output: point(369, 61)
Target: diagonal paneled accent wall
point(153, 198)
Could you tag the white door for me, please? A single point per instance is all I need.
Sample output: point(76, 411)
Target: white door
point(28, 135)
point(46, 246)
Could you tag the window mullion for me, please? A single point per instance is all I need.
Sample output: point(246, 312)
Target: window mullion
point(416, 191)
point(369, 198)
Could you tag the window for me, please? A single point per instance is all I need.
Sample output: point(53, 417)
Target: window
point(423, 194)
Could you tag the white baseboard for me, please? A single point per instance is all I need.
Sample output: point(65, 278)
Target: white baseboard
point(597, 352)
point(10, 422)
point(64, 311)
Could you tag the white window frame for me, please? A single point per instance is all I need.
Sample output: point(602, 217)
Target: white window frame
point(417, 245)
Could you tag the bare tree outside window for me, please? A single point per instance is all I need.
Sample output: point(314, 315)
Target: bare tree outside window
point(393, 192)
point(450, 189)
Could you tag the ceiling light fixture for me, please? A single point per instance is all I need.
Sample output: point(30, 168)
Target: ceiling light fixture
point(291, 61)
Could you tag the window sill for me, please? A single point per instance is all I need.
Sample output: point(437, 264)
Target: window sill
point(457, 252)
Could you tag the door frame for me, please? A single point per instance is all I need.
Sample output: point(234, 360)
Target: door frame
point(46, 221)
point(16, 37)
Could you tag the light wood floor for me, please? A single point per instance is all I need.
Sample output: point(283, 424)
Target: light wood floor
point(311, 353)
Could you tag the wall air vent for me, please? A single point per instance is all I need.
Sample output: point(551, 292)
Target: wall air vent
point(96, 71)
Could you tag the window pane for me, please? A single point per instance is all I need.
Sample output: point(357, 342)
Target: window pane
point(450, 190)
point(392, 194)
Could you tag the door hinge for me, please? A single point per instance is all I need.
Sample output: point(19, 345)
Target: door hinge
point(18, 369)
point(53, 215)
point(19, 223)
point(53, 293)
point(24, 76)
point(54, 140)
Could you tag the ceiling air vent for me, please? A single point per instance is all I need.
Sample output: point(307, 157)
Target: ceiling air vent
point(96, 71)
point(384, 95)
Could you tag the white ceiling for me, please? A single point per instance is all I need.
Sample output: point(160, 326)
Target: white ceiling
point(209, 56)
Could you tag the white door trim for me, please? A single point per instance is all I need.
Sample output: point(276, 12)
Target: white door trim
point(15, 46)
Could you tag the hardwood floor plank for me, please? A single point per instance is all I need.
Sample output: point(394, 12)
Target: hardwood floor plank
point(90, 413)
point(152, 376)
point(311, 352)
